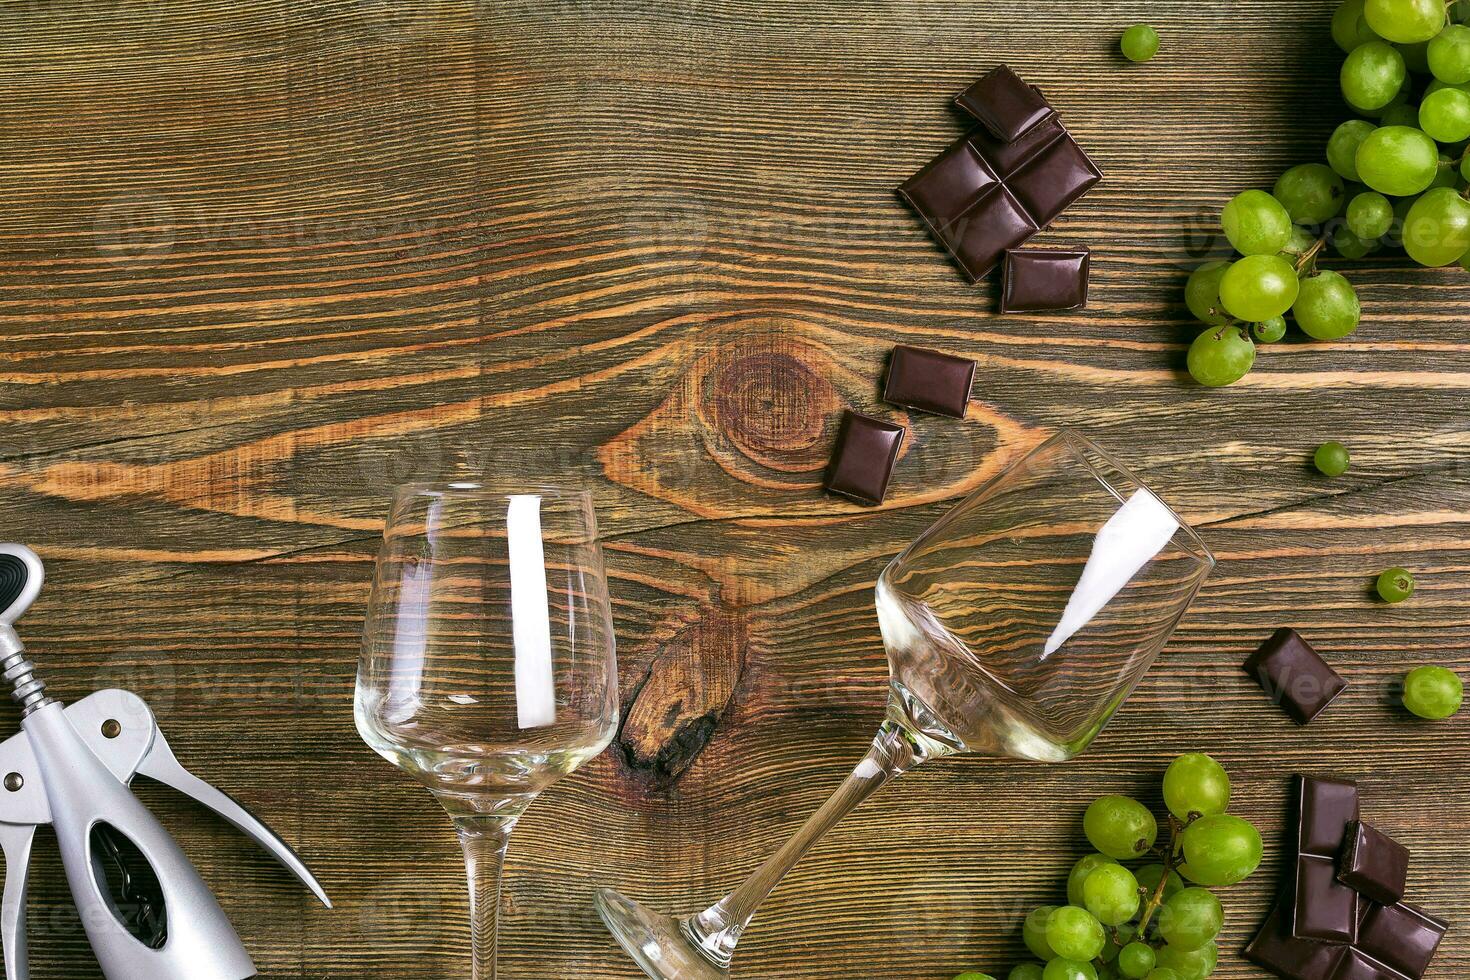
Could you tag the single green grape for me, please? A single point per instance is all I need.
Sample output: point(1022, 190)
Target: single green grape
point(1372, 76)
point(1190, 919)
point(1196, 783)
point(1140, 43)
point(1195, 964)
point(1434, 693)
point(1148, 879)
point(1256, 223)
point(1111, 894)
point(1349, 245)
point(1400, 114)
point(1313, 193)
point(1327, 306)
point(1136, 960)
point(1259, 287)
point(1395, 585)
point(1437, 229)
point(1269, 331)
point(1445, 115)
point(1084, 867)
point(1349, 26)
point(1342, 147)
point(1221, 356)
point(1120, 827)
point(1448, 173)
point(1202, 293)
point(1220, 850)
point(1331, 459)
point(1026, 971)
point(1370, 215)
point(1405, 21)
point(1033, 932)
point(1302, 242)
point(1398, 161)
point(1075, 934)
point(1062, 968)
point(1449, 55)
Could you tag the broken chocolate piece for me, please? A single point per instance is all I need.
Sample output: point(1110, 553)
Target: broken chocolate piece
point(1004, 104)
point(929, 381)
point(1374, 864)
point(1039, 280)
point(1295, 677)
point(867, 449)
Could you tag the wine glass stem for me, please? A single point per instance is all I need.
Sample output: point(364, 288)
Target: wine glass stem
point(717, 929)
point(484, 839)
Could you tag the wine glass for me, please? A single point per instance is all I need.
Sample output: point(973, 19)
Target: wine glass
point(1015, 626)
point(488, 669)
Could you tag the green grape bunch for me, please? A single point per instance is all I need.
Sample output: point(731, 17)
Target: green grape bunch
point(1397, 175)
point(1158, 920)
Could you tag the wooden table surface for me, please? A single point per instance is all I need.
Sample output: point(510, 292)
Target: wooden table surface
point(261, 261)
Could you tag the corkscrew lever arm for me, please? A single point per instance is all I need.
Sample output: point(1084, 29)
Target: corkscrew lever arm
point(16, 839)
point(162, 765)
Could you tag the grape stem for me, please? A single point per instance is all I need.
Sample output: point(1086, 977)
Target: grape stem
point(1173, 857)
point(1308, 259)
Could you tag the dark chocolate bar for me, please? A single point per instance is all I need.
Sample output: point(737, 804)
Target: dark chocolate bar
point(1004, 104)
point(1394, 943)
point(1039, 280)
point(982, 196)
point(1295, 676)
point(929, 381)
point(866, 450)
point(1374, 864)
point(1322, 908)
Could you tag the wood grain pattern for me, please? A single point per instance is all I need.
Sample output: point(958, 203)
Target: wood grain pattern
point(262, 261)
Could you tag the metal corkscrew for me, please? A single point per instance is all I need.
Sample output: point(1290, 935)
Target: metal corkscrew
point(71, 767)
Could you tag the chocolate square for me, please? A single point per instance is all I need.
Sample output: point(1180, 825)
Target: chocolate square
point(1277, 950)
point(1004, 104)
point(1053, 180)
point(1325, 809)
point(1357, 965)
point(1401, 937)
point(1374, 864)
point(929, 381)
point(950, 184)
point(1038, 280)
point(862, 464)
point(1324, 909)
point(1294, 676)
point(982, 236)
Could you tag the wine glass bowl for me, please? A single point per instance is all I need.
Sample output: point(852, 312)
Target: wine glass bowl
point(488, 667)
point(972, 613)
point(1015, 626)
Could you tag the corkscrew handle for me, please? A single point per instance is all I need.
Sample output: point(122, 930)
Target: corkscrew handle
point(21, 578)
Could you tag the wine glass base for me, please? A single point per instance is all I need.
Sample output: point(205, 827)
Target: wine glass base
point(656, 942)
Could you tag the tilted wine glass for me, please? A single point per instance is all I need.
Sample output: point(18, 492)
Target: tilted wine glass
point(1015, 626)
point(488, 669)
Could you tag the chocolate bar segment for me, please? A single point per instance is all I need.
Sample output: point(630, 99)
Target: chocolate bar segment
point(1321, 907)
point(1358, 966)
point(1402, 938)
point(1374, 864)
point(1004, 104)
point(1038, 280)
point(1293, 674)
point(1277, 950)
point(929, 381)
point(862, 464)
